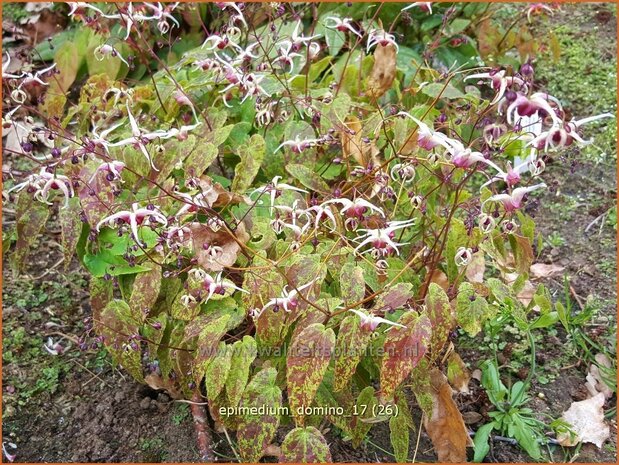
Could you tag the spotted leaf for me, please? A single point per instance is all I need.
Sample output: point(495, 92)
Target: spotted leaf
point(305, 445)
point(308, 359)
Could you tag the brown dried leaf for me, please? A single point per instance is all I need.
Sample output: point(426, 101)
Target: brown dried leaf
point(446, 426)
point(440, 278)
point(383, 72)
point(158, 383)
point(587, 422)
point(458, 374)
point(353, 145)
point(203, 236)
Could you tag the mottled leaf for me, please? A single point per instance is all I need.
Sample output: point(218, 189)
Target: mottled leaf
point(352, 283)
point(365, 408)
point(457, 373)
point(208, 340)
point(403, 349)
point(305, 445)
point(118, 328)
point(252, 154)
point(217, 370)
point(308, 177)
point(441, 316)
point(350, 347)
point(243, 354)
point(31, 217)
point(145, 292)
point(70, 229)
point(256, 431)
point(200, 159)
point(394, 297)
point(308, 359)
point(472, 310)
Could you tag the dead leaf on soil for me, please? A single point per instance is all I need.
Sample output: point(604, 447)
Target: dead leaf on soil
point(595, 378)
point(587, 421)
point(446, 425)
point(543, 270)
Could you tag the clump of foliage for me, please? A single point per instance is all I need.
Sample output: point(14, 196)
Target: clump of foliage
point(288, 213)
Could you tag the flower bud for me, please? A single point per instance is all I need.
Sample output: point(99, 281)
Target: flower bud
point(463, 256)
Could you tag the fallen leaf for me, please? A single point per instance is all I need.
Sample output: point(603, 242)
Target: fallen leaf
point(446, 426)
point(470, 418)
point(587, 422)
point(383, 72)
point(595, 378)
point(440, 278)
point(542, 270)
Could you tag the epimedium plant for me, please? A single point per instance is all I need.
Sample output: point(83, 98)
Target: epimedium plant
point(287, 220)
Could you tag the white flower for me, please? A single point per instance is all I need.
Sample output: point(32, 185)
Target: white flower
point(486, 223)
point(500, 82)
point(112, 167)
point(341, 25)
point(425, 6)
point(43, 182)
point(371, 322)
point(216, 285)
point(355, 208)
point(463, 256)
point(381, 239)
point(298, 145)
point(382, 38)
point(405, 172)
point(107, 50)
point(512, 202)
point(564, 135)
point(426, 138)
point(134, 218)
point(274, 189)
point(53, 348)
point(288, 300)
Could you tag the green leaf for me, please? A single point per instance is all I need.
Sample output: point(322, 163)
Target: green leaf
point(68, 63)
point(456, 238)
point(307, 362)
point(482, 446)
point(251, 155)
point(208, 339)
point(105, 263)
point(436, 90)
point(308, 177)
point(305, 445)
point(364, 409)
